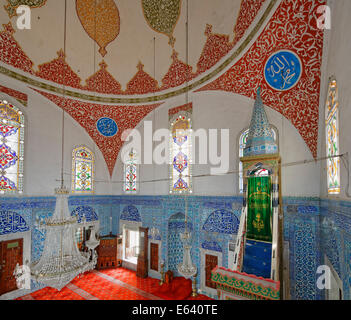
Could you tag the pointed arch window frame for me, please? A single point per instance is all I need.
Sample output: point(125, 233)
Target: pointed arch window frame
point(132, 165)
point(174, 149)
point(332, 135)
point(91, 161)
point(241, 147)
point(18, 143)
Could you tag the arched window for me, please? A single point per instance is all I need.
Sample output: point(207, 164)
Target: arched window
point(82, 170)
point(131, 172)
point(11, 148)
point(180, 145)
point(332, 138)
point(242, 144)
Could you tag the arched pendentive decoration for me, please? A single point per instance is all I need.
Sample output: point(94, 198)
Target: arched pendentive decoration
point(130, 213)
point(222, 221)
point(12, 222)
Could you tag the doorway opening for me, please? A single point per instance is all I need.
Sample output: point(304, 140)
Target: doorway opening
point(131, 245)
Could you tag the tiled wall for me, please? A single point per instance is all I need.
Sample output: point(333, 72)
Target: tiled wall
point(311, 226)
point(336, 239)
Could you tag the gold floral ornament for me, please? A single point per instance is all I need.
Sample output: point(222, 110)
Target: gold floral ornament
point(14, 4)
point(100, 20)
point(162, 16)
point(258, 222)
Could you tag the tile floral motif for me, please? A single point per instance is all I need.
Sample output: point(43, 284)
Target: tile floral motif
point(130, 213)
point(12, 222)
point(86, 212)
point(222, 221)
point(100, 20)
point(211, 245)
point(59, 71)
point(10, 51)
point(87, 115)
point(300, 104)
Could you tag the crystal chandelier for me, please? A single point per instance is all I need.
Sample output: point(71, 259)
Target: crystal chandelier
point(186, 268)
point(61, 260)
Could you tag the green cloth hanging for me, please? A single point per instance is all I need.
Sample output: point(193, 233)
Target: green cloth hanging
point(259, 208)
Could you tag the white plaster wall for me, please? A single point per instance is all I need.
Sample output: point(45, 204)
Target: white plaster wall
point(337, 51)
point(220, 110)
point(211, 110)
point(43, 131)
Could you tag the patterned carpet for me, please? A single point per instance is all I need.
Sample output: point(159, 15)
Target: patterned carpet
point(110, 284)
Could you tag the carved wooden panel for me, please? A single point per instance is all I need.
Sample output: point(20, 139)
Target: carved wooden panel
point(11, 253)
point(154, 256)
point(210, 263)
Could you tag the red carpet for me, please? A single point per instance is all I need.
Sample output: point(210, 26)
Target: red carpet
point(179, 289)
point(115, 284)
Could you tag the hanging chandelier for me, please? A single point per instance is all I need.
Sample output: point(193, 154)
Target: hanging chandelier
point(61, 260)
point(187, 269)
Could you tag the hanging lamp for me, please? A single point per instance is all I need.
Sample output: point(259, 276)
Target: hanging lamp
point(61, 260)
point(187, 269)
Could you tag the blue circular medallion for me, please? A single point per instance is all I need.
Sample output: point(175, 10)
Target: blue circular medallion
point(283, 70)
point(107, 127)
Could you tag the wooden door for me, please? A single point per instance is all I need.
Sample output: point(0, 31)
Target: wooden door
point(142, 266)
point(210, 263)
point(11, 253)
point(154, 256)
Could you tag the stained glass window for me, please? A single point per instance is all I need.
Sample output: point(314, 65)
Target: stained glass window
point(332, 137)
point(180, 153)
point(242, 143)
point(82, 170)
point(131, 172)
point(11, 148)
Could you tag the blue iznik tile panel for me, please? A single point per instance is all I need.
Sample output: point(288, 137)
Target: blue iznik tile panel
point(301, 230)
point(336, 239)
point(313, 227)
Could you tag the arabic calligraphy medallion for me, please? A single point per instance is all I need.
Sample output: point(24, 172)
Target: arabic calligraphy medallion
point(283, 70)
point(107, 127)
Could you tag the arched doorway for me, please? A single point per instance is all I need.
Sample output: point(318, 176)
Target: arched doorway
point(176, 225)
